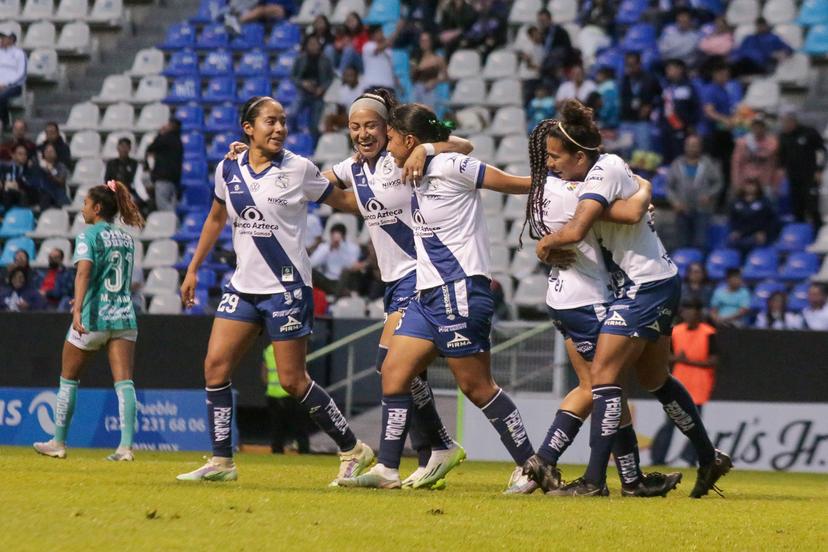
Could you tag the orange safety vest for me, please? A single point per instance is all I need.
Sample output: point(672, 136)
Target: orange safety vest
point(696, 346)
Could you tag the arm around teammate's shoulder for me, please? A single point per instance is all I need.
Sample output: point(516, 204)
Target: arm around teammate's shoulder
point(575, 230)
point(632, 209)
point(505, 183)
point(210, 232)
point(342, 200)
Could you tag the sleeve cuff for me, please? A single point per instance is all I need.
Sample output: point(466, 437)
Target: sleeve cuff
point(481, 175)
point(217, 198)
point(326, 193)
point(595, 197)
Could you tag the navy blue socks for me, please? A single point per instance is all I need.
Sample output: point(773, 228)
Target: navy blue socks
point(626, 456)
point(220, 418)
point(680, 408)
point(606, 418)
point(561, 433)
point(324, 412)
point(396, 418)
point(505, 417)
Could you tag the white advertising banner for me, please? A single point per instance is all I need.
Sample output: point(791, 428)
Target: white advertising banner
point(757, 435)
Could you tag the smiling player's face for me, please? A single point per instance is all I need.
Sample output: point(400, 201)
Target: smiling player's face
point(400, 146)
point(368, 132)
point(269, 130)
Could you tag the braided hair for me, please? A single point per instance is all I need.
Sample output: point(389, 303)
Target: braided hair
point(539, 172)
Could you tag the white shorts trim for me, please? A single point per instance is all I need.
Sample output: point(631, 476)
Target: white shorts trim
point(93, 341)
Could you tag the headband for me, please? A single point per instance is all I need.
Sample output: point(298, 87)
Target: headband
point(254, 104)
point(565, 133)
point(371, 102)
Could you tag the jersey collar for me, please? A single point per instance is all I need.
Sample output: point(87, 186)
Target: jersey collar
point(276, 162)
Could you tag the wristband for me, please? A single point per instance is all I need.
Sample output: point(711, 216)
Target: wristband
point(429, 149)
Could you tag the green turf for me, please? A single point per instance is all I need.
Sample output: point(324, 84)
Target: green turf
point(86, 503)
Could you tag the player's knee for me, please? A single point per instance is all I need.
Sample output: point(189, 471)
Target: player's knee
point(650, 377)
point(216, 370)
point(295, 384)
point(478, 392)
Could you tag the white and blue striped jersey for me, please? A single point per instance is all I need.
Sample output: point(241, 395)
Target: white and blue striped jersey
point(450, 230)
point(633, 253)
point(587, 281)
point(385, 203)
point(269, 213)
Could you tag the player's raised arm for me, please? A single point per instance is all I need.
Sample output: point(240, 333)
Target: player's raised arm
point(632, 209)
point(506, 183)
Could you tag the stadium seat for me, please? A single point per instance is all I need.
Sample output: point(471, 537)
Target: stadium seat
point(253, 86)
point(799, 266)
point(71, 10)
point(183, 63)
point(43, 64)
point(469, 91)
point(685, 257)
point(283, 64)
point(310, 9)
point(284, 36)
point(159, 224)
point(499, 258)
point(161, 253)
point(496, 226)
point(88, 172)
point(217, 63)
point(184, 89)
point(195, 198)
point(75, 38)
point(590, 39)
point(816, 41)
point(519, 169)
point(820, 245)
point(349, 307)
point(564, 11)
point(345, 7)
point(472, 119)
point(794, 70)
point(208, 11)
point(382, 12)
point(720, 260)
point(152, 88)
point(500, 64)
point(464, 64)
point(300, 143)
point(115, 88)
point(779, 11)
point(513, 149)
point(220, 90)
point(376, 310)
point(119, 116)
point(17, 222)
point(253, 63)
point(515, 208)
point(190, 228)
point(110, 147)
point(513, 239)
point(146, 140)
point(762, 263)
point(525, 263)
point(639, 38)
point(36, 10)
point(153, 116)
point(78, 224)
point(219, 146)
point(508, 120)
point(762, 293)
point(165, 303)
point(86, 143)
point(107, 12)
point(77, 205)
point(331, 147)
point(798, 297)
point(346, 219)
point(740, 12)
point(206, 278)
point(492, 201)
point(149, 61)
point(180, 35)
point(51, 223)
point(212, 37)
point(763, 95)
point(193, 143)
point(193, 173)
point(286, 92)
point(9, 9)
point(795, 236)
point(82, 116)
point(252, 36)
point(611, 57)
point(42, 258)
point(40, 35)
point(631, 12)
point(791, 33)
point(531, 290)
point(11, 246)
point(742, 31)
point(223, 118)
point(813, 12)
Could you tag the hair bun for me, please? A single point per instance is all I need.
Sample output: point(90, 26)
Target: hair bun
point(574, 113)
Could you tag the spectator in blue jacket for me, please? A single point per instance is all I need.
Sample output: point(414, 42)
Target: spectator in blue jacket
point(753, 221)
point(681, 109)
point(716, 127)
point(312, 74)
point(760, 52)
point(56, 282)
point(20, 295)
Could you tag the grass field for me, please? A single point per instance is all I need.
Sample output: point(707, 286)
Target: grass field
point(280, 503)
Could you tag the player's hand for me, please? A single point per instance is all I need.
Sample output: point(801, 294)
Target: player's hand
point(188, 289)
point(558, 258)
point(414, 165)
point(77, 325)
point(236, 149)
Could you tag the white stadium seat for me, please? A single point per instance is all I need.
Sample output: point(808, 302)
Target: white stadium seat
point(740, 12)
point(115, 88)
point(161, 253)
point(43, 64)
point(505, 92)
point(42, 258)
point(513, 149)
point(153, 116)
point(149, 61)
point(464, 64)
point(78, 224)
point(525, 12)
point(590, 39)
point(822, 275)
point(820, 244)
point(515, 208)
point(40, 35)
point(86, 143)
point(791, 33)
point(531, 291)
point(515, 233)
point(160, 225)
point(12, 27)
point(347, 220)
point(499, 258)
point(344, 7)
point(165, 303)
point(146, 140)
point(109, 12)
point(472, 119)
point(496, 226)
point(492, 201)
point(743, 31)
point(37, 10)
point(508, 120)
point(310, 9)
point(51, 223)
point(75, 206)
point(469, 91)
point(75, 38)
point(119, 116)
point(500, 64)
point(518, 169)
point(763, 94)
point(82, 116)
point(88, 172)
point(484, 146)
point(151, 88)
point(9, 9)
point(332, 146)
point(795, 70)
point(72, 10)
point(376, 309)
point(349, 307)
point(110, 147)
point(563, 11)
point(779, 11)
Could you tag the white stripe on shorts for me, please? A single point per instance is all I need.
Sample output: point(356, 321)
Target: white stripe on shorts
point(462, 298)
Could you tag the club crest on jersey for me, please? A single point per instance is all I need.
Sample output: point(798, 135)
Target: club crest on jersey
point(616, 320)
point(291, 325)
point(282, 180)
point(459, 340)
point(387, 166)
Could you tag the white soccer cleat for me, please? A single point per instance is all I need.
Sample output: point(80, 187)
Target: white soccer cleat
point(409, 481)
point(51, 448)
point(378, 477)
point(214, 470)
point(121, 455)
point(354, 462)
point(520, 483)
point(439, 464)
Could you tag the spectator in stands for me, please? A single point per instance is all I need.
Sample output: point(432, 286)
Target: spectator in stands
point(756, 156)
point(19, 137)
point(718, 121)
point(640, 95)
point(753, 221)
point(53, 176)
point(694, 182)
point(541, 107)
point(609, 115)
point(776, 315)
point(488, 32)
point(730, 304)
point(799, 154)
point(456, 17)
point(123, 167)
point(332, 257)
point(313, 232)
point(321, 29)
point(247, 11)
point(57, 282)
point(680, 40)
point(600, 13)
point(376, 58)
point(717, 39)
point(416, 18)
point(357, 31)
point(341, 52)
point(164, 157)
point(556, 43)
point(760, 52)
point(428, 69)
point(577, 86)
point(694, 360)
point(815, 315)
point(313, 74)
point(20, 295)
point(696, 286)
point(20, 184)
point(681, 109)
point(54, 138)
point(530, 54)
point(349, 90)
point(20, 260)
point(12, 74)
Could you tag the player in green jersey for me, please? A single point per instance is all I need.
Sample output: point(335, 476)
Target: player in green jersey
point(102, 313)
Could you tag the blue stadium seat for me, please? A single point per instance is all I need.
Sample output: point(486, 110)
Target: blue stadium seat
point(799, 266)
point(183, 63)
point(194, 171)
point(222, 118)
point(227, 236)
point(611, 57)
point(207, 11)
point(252, 36)
point(201, 303)
point(220, 90)
point(193, 143)
point(218, 63)
point(189, 252)
point(659, 182)
point(11, 248)
point(630, 12)
point(813, 12)
point(300, 143)
point(762, 263)
point(685, 257)
point(714, 7)
point(762, 293)
point(284, 36)
point(798, 298)
point(183, 90)
point(254, 86)
point(195, 198)
point(383, 11)
point(213, 36)
point(816, 41)
point(219, 146)
point(285, 93)
point(225, 279)
point(190, 229)
point(795, 237)
point(720, 260)
point(639, 38)
point(180, 35)
point(206, 278)
point(191, 117)
point(717, 236)
point(253, 63)
point(650, 59)
point(283, 64)
point(17, 222)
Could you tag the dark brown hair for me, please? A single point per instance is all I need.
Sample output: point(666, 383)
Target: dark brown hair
point(419, 121)
point(118, 202)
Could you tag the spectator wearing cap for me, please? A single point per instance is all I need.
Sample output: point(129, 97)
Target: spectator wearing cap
point(799, 154)
point(681, 109)
point(19, 137)
point(776, 315)
point(57, 283)
point(756, 156)
point(312, 74)
point(640, 97)
point(54, 138)
point(681, 39)
point(753, 221)
point(815, 315)
point(164, 157)
point(12, 73)
point(760, 52)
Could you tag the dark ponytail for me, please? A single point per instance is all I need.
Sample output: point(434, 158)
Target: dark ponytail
point(389, 98)
point(539, 172)
point(419, 121)
point(115, 198)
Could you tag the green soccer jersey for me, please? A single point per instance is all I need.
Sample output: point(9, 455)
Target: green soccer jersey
point(107, 304)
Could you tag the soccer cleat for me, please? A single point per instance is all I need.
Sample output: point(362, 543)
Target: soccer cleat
point(543, 473)
point(378, 477)
point(354, 462)
point(121, 455)
point(409, 481)
point(51, 448)
point(653, 484)
point(707, 476)
point(213, 470)
point(439, 464)
point(520, 483)
point(580, 487)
